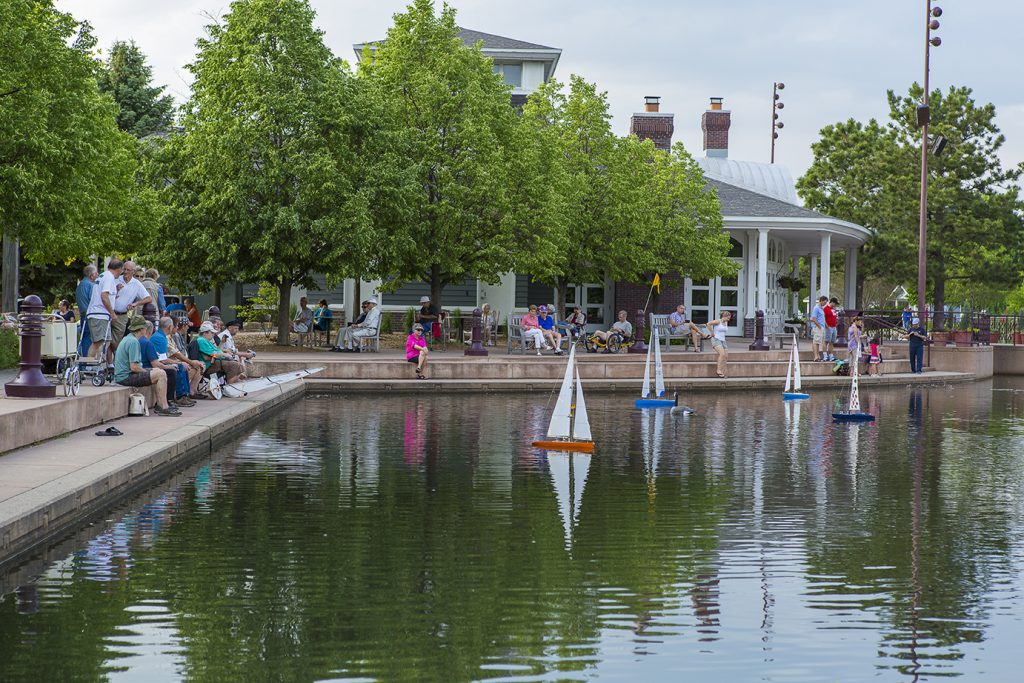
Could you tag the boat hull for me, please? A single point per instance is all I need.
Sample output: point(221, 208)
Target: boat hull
point(853, 417)
point(794, 396)
point(581, 446)
point(655, 402)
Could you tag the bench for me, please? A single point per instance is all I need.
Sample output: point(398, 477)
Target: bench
point(660, 322)
point(778, 331)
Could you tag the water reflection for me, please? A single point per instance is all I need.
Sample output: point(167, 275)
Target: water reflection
point(423, 538)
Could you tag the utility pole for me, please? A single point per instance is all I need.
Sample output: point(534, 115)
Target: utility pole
point(931, 23)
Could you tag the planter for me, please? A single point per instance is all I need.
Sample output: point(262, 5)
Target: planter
point(962, 337)
point(993, 337)
point(1018, 338)
point(941, 338)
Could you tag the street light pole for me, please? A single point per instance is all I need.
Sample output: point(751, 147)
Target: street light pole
point(923, 117)
point(776, 106)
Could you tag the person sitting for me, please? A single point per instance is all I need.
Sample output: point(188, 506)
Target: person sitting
point(65, 311)
point(322, 317)
point(303, 321)
point(172, 346)
point(215, 360)
point(549, 330)
point(128, 370)
point(488, 324)
point(621, 327)
point(576, 323)
point(532, 330)
point(152, 357)
point(416, 350)
point(367, 328)
point(679, 324)
point(227, 343)
point(427, 316)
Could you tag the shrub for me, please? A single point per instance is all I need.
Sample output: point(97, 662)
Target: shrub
point(8, 349)
point(385, 323)
point(409, 319)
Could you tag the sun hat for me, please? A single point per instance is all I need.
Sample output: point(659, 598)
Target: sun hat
point(417, 326)
point(372, 300)
point(424, 299)
point(206, 327)
point(137, 323)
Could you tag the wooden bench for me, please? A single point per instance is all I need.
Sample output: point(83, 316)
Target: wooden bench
point(515, 335)
point(660, 322)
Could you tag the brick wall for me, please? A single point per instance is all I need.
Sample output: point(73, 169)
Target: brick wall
point(631, 297)
point(658, 128)
point(715, 125)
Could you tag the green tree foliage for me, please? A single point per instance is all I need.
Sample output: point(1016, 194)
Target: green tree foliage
point(617, 207)
point(265, 183)
point(66, 171)
point(870, 174)
point(453, 138)
point(127, 78)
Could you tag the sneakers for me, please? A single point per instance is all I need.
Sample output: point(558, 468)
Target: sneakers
point(167, 413)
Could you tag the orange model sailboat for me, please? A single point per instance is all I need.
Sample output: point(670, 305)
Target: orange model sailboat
point(569, 429)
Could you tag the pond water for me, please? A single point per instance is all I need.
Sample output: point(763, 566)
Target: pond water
point(421, 538)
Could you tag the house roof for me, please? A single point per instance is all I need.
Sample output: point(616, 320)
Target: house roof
point(738, 201)
point(493, 42)
point(773, 180)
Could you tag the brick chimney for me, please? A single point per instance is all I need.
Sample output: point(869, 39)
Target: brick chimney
point(715, 124)
point(651, 124)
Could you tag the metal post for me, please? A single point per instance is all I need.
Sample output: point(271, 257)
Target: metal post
point(929, 25)
point(476, 347)
point(638, 334)
point(760, 344)
point(30, 382)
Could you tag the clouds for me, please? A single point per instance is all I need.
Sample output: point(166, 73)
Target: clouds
point(837, 59)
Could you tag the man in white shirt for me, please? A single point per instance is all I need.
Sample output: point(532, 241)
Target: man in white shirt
point(367, 328)
point(100, 314)
point(227, 342)
point(131, 295)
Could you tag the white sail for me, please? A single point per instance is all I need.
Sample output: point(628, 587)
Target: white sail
point(659, 370)
point(854, 393)
point(796, 365)
point(789, 372)
point(646, 391)
point(558, 467)
point(581, 426)
point(559, 427)
point(580, 469)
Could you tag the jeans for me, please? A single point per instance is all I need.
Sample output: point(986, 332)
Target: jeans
point(83, 349)
point(917, 358)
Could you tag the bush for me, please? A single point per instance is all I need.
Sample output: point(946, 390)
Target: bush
point(8, 349)
point(409, 319)
point(385, 323)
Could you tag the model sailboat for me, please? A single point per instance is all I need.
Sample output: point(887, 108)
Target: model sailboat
point(793, 376)
point(569, 475)
point(569, 429)
point(853, 412)
point(658, 400)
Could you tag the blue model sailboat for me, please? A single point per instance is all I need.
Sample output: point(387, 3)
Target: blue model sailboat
point(658, 399)
point(793, 381)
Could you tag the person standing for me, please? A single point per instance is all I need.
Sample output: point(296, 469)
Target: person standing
point(719, 329)
point(831, 325)
point(83, 294)
point(908, 317)
point(853, 339)
point(818, 328)
point(100, 314)
point(916, 341)
point(131, 295)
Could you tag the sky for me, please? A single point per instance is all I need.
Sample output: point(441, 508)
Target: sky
point(837, 59)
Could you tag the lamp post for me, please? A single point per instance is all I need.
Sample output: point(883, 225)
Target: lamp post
point(923, 117)
point(777, 104)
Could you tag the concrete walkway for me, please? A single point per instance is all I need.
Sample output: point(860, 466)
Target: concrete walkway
point(47, 488)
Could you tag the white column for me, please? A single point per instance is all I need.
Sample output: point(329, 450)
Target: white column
point(850, 295)
point(826, 264)
point(748, 311)
point(812, 286)
point(794, 298)
point(762, 269)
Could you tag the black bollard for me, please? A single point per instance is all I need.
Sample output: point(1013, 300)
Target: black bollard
point(149, 312)
point(476, 347)
point(638, 334)
point(30, 382)
point(760, 344)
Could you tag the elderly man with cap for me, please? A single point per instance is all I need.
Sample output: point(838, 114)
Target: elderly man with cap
point(367, 328)
point(128, 370)
point(917, 338)
point(427, 316)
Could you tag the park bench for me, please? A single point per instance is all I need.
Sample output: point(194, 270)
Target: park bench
point(659, 321)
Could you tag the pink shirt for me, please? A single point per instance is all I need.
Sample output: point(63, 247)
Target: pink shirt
point(411, 344)
point(530, 321)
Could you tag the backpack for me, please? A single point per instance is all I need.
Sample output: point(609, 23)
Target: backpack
point(841, 368)
point(193, 350)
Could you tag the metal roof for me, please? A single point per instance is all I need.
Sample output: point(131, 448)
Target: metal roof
point(773, 180)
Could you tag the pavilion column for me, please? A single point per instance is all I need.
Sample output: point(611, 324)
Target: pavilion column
point(751, 303)
point(812, 288)
point(850, 293)
point(826, 264)
point(794, 297)
point(762, 270)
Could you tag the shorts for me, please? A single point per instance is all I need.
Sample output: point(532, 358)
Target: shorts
point(831, 335)
point(300, 328)
point(137, 379)
point(817, 335)
point(414, 359)
point(118, 327)
point(717, 343)
point(99, 329)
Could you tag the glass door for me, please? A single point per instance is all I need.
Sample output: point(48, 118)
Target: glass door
point(728, 299)
point(591, 300)
point(707, 299)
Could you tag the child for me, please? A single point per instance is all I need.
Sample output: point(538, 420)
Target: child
point(416, 350)
point(875, 357)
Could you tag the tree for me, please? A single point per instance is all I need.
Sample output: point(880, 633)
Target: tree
point(870, 174)
point(66, 171)
point(454, 134)
point(127, 79)
point(265, 183)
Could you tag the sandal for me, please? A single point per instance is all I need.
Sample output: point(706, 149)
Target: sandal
point(110, 431)
point(721, 374)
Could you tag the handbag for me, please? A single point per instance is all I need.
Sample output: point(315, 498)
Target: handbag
point(137, 405)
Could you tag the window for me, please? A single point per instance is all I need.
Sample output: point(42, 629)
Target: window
point(735, 248)
point(512, 73)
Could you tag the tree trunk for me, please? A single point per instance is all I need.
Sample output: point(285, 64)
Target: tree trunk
point(216, 301)
point(10, 274)
point(562, 285)
point(940, 303)
point(284, 288)
point(436, 285)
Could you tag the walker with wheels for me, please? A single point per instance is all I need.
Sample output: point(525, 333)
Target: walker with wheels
point(96, 368)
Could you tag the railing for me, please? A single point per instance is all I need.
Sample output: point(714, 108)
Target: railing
point(984, 328)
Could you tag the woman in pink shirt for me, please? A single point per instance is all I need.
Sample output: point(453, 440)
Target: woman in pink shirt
point(416, 350)
point(531, 330)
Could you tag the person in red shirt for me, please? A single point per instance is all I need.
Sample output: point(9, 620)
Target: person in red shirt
point(831, 332)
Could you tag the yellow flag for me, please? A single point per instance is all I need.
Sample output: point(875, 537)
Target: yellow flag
point(657, 282)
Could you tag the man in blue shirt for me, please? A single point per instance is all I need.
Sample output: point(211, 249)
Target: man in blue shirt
point(818, 327)
point(83, 294)
point(549, 330)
